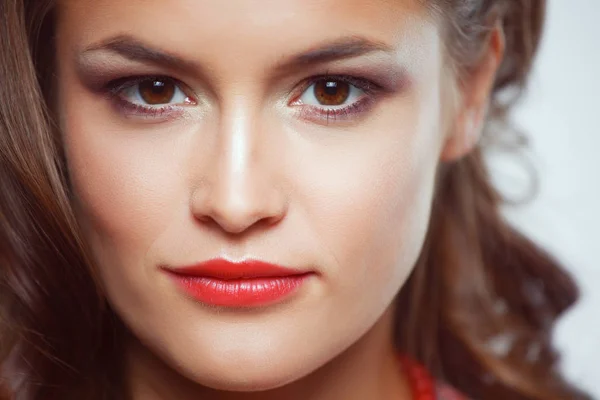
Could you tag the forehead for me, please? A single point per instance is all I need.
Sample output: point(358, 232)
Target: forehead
point(246, 28)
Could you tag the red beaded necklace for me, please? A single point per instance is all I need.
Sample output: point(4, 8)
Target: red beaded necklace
point(423, 386)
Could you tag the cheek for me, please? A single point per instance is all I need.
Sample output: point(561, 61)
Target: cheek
point(125, 182)
point(377, 217)
point(371, 211)
point(116, 191)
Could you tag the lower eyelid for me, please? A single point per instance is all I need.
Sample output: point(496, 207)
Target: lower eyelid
point(354, 110)
point(129, 109)
point(143, 111)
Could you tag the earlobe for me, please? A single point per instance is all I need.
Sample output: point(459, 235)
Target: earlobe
point(469, 120)
point(465, 136)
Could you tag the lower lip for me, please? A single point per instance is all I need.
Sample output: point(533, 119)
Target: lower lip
point(250, 292)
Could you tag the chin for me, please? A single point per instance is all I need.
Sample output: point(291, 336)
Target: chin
point(257, 384)
point(251, 378)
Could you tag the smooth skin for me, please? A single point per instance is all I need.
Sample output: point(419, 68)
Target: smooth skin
point(247, 163)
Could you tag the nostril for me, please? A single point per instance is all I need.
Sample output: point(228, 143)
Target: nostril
point(233, 217)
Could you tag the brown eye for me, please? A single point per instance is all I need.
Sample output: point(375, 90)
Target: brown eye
point(157, 91)
point(331, 92)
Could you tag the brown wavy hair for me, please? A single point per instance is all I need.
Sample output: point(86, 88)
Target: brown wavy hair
point(477, 282)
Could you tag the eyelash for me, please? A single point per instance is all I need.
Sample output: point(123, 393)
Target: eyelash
point(324, 113)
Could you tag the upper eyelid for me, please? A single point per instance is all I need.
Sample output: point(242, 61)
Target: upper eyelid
point(362, 83)
point(115, 86)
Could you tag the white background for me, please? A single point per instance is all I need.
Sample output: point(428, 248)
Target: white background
point(561, 115)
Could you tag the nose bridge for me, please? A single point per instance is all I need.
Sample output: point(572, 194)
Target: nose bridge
point(237, 140)
point(239, 168)
point(241, 187)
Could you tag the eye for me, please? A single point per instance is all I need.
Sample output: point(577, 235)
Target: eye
point(331, 92)
point(154, 92)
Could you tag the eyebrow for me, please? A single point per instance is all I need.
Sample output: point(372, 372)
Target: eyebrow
point(347, 47)
point(135, 50)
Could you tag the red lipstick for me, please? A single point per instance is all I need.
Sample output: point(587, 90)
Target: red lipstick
point(249, 283)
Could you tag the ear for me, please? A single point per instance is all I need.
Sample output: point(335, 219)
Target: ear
point(474, 93)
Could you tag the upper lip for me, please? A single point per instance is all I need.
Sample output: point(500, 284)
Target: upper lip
point(221, 268)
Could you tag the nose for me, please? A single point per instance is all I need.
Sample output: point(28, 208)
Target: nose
point(241, 185)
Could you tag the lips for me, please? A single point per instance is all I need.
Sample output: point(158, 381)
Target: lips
point(249, 283)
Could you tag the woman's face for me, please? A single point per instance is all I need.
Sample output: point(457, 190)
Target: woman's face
point(302, 133)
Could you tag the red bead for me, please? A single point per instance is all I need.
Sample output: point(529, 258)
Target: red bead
point(422, 384)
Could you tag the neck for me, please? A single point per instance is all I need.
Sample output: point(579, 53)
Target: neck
point(369, 369)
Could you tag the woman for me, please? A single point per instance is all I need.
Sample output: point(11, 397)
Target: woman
point(266, 200)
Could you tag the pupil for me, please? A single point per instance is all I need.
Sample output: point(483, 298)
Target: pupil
point(158, 87)
point(331, 88)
